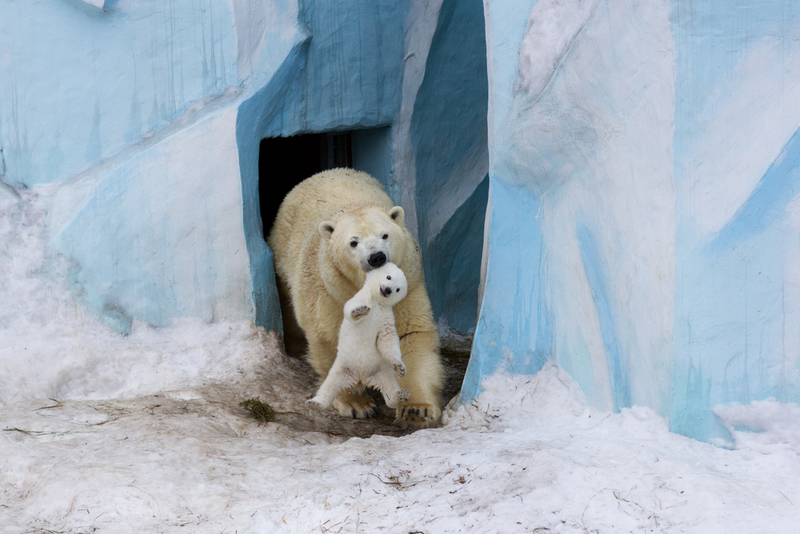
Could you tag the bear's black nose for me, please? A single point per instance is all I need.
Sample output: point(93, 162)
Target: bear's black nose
point(376, 260)
point(386, 291)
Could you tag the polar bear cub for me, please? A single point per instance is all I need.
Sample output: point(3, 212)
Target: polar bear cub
point(368, 353)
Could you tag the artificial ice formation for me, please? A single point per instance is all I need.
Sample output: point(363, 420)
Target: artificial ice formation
point(650, 152)
point(612, 186)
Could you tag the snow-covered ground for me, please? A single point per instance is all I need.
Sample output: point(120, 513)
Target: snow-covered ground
point(144, 433)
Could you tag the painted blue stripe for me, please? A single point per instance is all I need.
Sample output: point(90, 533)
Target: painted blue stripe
point(767, 204)
point(596, 274)
point(513, 331)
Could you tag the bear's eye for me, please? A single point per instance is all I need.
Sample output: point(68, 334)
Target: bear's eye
point(388, 277)
point(386, 236)
point(398, 290)
point(354, 244)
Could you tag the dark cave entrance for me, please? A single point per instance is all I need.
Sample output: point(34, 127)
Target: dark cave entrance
point(284, 162)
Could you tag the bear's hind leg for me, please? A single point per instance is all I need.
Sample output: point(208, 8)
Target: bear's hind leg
point(355, 403)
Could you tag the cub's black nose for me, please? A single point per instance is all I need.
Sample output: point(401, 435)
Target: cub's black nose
point(386, 291)
point(376, 260)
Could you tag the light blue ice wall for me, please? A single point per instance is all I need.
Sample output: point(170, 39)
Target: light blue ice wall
point(344, 74)
point(577, 256)
point(737, 178)
point(449, 136)
point(130, 115)
point(642, 226)
point(80, 84)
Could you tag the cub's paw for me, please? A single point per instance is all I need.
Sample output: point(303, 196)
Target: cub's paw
point(359, 312)
point(315, 403)
point(417, 415)
point(400, 369)
point(355, 405)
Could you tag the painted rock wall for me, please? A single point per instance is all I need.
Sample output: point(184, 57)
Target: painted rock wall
point(642, 224)
point(129, 114)
point(140, 123)
point(449, 137)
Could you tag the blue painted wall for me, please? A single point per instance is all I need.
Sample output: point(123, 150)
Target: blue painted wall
point(629, 171)
point(449, 137)
point(344, 75)
point(513, 331)
point(737, 166)
point(129, 113)
point(657, 145)
point(80, 84)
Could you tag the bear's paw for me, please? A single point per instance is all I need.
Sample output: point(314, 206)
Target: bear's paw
point(400, 369)
point(417, 415)
point(355, 405)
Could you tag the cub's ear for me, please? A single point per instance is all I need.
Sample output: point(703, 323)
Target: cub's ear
point(325, 229)
point(397, 214)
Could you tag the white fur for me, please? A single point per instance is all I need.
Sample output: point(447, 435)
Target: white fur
point(368, 353)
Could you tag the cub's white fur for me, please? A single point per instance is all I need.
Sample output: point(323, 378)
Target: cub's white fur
point(368, 353)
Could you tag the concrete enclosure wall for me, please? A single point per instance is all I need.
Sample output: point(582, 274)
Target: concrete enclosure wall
point(613, 185)
point(643, 205)
point(142, 123)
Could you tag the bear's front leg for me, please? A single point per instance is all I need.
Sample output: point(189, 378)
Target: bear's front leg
point(359, 312)
point(424, 377)
point(356, 308)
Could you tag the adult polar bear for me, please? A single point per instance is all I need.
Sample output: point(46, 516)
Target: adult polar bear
point(330, 230)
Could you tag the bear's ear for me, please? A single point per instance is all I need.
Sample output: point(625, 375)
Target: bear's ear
point(397, 214)
point(325, 229)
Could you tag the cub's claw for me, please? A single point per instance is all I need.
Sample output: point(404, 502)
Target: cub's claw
point(359, 312)
point(400, 369)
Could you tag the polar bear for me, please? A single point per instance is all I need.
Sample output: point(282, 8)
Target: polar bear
point(368, 353)
point(330, 230)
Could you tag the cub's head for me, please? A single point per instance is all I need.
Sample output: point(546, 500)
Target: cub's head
point(366, 238)
point(388, 284)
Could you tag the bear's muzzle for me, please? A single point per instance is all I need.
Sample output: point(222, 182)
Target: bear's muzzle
point(376, 260)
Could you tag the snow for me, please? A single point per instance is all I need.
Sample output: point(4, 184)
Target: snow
point(143, 433)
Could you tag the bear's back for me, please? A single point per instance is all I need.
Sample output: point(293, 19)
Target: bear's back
point(321, 196)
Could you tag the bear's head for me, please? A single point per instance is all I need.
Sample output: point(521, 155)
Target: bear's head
point(367, 238)
point(387, 284)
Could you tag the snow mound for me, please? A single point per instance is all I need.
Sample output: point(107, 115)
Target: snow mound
point(763, 426)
